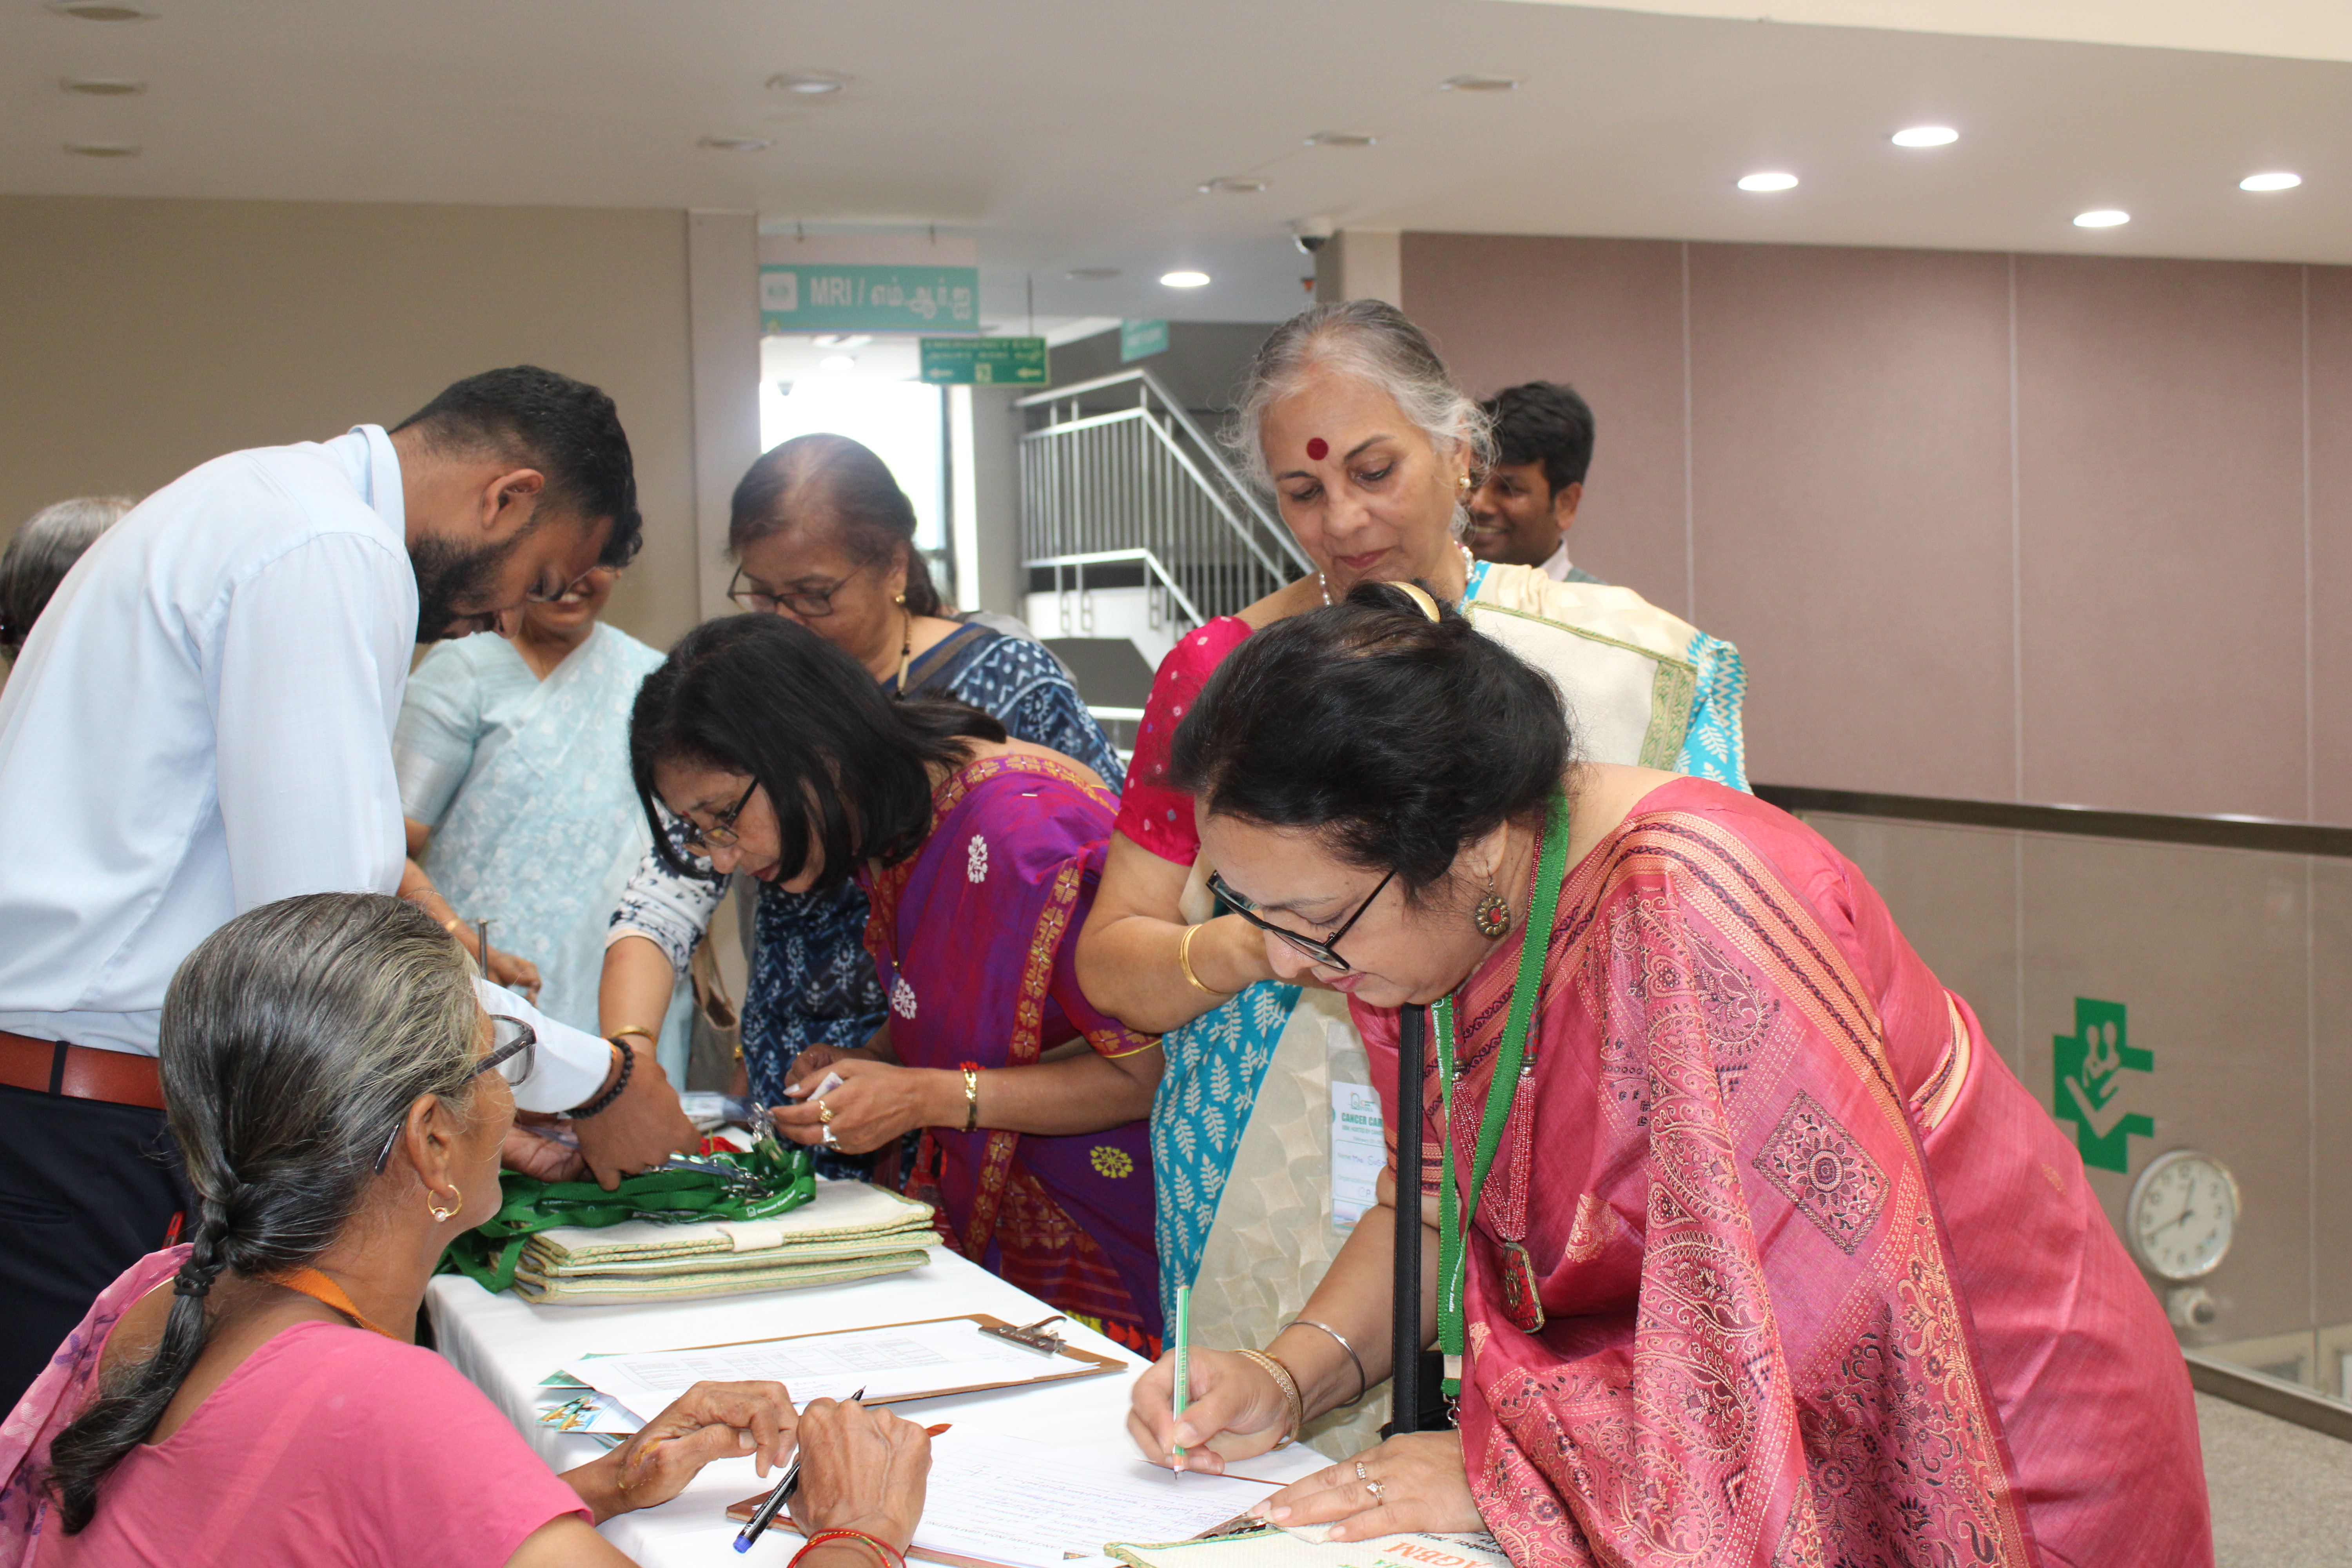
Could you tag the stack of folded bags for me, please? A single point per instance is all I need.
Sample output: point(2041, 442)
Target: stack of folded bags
point(849, 1230)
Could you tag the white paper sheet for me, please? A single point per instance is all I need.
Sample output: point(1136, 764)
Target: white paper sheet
point(1359, 1152)
point(887, 1363)
point(1034, 1505)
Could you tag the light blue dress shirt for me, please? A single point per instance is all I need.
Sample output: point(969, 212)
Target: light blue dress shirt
point(201, 723)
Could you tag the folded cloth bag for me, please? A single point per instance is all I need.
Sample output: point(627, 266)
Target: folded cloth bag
point(848, 1230)
point(769, 1179)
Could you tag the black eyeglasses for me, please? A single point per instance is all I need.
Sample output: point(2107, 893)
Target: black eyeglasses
point(1323, 953)
point(721, 833)
point(810, 604)
point(514, 1051)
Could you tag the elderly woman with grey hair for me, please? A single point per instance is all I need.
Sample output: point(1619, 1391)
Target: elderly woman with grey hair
point(253, 1396)
point(1350, 421)
point(41, 554)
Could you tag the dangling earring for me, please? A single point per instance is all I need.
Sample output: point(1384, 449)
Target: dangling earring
point(1493, 916)
point(440, 1215)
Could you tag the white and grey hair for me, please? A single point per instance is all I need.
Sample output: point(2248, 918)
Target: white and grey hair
point(41, 554)
point(1370, 341)
point(295, 1038)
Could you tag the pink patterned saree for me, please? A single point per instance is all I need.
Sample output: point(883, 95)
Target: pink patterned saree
point(1815, 1279)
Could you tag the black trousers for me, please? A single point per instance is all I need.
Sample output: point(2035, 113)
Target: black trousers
point(87, 1188)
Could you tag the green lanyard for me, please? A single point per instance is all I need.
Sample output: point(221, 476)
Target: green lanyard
point(1535, 937)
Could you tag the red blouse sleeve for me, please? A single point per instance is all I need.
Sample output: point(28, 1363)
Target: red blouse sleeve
point(1150, 813)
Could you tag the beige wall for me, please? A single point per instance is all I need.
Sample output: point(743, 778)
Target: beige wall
point(141, 337)
point(2030, 527)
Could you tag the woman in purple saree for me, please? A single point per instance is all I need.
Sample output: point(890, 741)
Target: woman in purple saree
point(979, 857)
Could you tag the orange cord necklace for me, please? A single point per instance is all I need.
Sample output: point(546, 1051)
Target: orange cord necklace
point(326, 1292)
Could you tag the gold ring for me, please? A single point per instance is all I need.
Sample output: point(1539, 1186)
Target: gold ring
point(823, 1113)
point(1379, 1495)
point(1362, 1474)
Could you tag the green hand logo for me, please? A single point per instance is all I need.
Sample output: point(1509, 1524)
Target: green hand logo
point(2090, 1089)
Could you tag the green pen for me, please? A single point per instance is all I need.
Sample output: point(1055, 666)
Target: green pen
point(1183, 1363)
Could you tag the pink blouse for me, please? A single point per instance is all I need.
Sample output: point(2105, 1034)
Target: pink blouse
point(1150, 813)
point(329, 1445)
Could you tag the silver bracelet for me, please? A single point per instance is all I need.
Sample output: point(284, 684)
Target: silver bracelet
point(1363, 1383)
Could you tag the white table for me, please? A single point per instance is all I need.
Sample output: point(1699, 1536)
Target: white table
point(507, 1346)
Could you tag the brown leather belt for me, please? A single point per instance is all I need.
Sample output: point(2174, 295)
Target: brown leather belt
point(77, 1072)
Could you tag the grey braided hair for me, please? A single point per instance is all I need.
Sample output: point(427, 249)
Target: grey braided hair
point(294, 1039)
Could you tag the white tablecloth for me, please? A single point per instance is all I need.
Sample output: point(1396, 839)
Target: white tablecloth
point(507, 1347)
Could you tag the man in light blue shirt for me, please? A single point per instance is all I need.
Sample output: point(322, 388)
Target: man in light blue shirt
point(201, 722)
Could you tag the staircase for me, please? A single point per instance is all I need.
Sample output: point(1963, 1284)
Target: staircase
point(1134, 530)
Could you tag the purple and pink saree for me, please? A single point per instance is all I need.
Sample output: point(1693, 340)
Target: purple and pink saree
point(1819, 1282)
point(973, 938)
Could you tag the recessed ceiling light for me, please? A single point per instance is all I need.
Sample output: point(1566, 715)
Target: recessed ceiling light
point(1091, 274)
point(102, 87)
point(836, 362)
point(2102, 217)
point(103, 149)
point(1768, 181)
point(809, 84)
point(1232, 186)
point(1341, 138)
point(1926, 136)
point(1185, 280)
point(101, 11)
point(735, 143)
point(1470, 81)
point(2280, 180)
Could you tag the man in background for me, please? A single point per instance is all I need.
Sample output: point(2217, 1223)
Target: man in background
point(1526, 503)
point(201, 722)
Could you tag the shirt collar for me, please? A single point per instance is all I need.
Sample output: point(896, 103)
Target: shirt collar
point(1558, 567)
point(372, 465)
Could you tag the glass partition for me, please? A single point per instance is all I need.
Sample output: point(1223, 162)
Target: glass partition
point(2178, 993)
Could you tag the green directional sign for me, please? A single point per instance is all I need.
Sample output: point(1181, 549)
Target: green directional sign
point(806, 298)
point(1141, 339)
point(984, 362)
point(2093, 1071)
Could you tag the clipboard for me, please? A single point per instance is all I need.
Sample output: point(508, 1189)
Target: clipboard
point(1064, 1364)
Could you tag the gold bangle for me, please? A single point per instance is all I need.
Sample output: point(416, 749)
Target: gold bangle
point(1289, 1386)
point(452, 923)
point(972, 1099)
point(1184, 961)
point(633, 1029)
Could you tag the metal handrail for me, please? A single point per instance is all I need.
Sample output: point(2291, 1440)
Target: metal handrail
point(2266, 835)
point(1227, 487)
point(1103, 557)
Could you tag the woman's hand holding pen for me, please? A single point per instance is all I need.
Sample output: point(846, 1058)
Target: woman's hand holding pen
point(709, 1421)
point(1235, 1410)
point(861, 1470)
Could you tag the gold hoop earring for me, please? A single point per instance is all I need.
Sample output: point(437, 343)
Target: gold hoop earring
point(1493, 916)
point(440, 1215)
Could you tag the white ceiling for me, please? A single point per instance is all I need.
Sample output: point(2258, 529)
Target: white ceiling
point(1066, 133)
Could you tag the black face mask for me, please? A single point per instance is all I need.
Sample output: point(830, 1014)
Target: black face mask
point(448, 576)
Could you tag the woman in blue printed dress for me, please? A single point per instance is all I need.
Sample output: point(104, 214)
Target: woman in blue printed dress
point(821, 532)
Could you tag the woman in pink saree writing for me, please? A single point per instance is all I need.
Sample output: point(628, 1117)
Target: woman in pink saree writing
point(1749, 1248)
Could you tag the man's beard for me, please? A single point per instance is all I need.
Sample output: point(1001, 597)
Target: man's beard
point(448, 577)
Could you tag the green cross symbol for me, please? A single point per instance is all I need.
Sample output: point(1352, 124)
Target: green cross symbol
point(2087, 1069)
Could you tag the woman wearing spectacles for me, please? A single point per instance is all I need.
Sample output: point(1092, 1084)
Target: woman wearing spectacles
point(1350, 424)
point(977, 855)
point(824, 536)
point(1749, 1247)
point(253, 1396)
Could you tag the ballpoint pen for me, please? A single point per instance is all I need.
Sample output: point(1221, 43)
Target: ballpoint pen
point(786, 1484)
